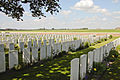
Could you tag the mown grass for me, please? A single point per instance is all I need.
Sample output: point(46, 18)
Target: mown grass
point(74, 30)
point(57, 69)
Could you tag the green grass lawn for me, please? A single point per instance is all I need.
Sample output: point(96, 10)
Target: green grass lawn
point(57, 69)
point(75, 30)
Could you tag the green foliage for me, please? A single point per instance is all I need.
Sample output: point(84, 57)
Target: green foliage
point(94, 35)
point(112, 73)
point(86, 44)
point(118, 48)
point(15, 9)
point(92, 44)
point(112, 56)
point(99, 68)
point(16, 47)
point(105, 39)
point(102, 39)
point(75, 38)
point(99, 41)
point(110, 36)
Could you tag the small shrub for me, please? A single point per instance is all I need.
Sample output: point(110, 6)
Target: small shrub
point(94, 35)
point(75, 38)
point(102, 40)
point(86, 44)
point(110, 36)
point(99, 41)
point(92, 44)
point(105, 39)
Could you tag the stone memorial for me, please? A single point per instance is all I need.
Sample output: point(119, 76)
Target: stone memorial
point(13, 58)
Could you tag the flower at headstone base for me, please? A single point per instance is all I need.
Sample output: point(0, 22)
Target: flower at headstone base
point(108, 64)
point(86, 77)
point(95, 69)
point(113, 56)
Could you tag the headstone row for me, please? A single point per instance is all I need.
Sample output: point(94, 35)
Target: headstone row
point(30, 53)
point(79, 66)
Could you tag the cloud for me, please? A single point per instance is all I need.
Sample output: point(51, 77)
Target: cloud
point(116, 12)
point(88, 6)
point(66, 12)
point(27, 13)
point(104, 19)
point(116, 1)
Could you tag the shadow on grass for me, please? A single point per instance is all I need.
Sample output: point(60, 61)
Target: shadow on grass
point(57, 69)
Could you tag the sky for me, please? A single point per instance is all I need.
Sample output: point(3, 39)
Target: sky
point(92, 14)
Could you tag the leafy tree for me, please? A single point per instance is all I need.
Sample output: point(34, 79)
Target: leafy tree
point(14, 8)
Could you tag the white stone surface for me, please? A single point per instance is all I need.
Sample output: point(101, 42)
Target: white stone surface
point(43, 52)
point(101, 54)
point(49, 53)
point(26, 55)
point(1, 47)
point(2, 62)
point(29, 45)
point(11, 46)
point(34, 54)
point(35, 43)
point(74, 69)
point(13, 58)
point(44, 42)
point(63, 46)
point(83, 66)
point(21, 45)
point(90, 61)
point(96, 55)
point(39, 43)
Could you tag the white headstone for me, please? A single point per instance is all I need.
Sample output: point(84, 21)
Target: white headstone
point(13, 58)
point(39, 43)
point(59, 47)
point(26, 55)
point(2, 62)
point(83, 65)
point(1, 47)
point(49, 51)
point(74, 69)
point(45, 42)
point(29, 44)
point(34, 54)
point(43, 52)
point(11, 46)
point(96, 55)
point(63, 46)
point(101, 54)
point(35, 43)
point(21, 45)
point(90, 60)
